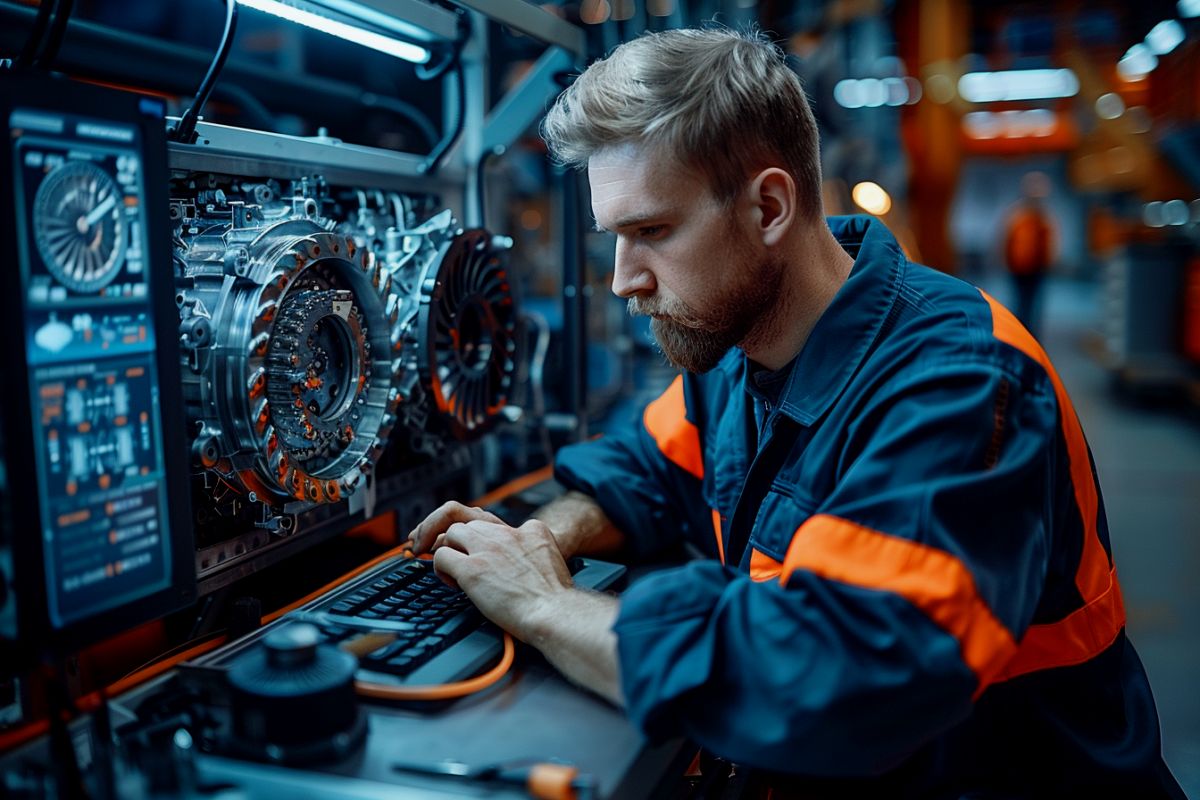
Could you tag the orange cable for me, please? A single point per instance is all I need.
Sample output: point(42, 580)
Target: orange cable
point(443, 691)
point(354, 573)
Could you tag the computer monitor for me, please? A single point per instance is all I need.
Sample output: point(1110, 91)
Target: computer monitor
point(97, 535)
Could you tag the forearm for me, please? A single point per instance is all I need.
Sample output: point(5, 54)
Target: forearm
point(575, 634)
point(580, 526)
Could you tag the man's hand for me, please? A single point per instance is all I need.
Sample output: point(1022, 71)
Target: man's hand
point(514, 575)
point(518, 578)
point(427, 536)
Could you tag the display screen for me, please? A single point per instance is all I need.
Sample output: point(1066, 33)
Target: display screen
point(90, 349)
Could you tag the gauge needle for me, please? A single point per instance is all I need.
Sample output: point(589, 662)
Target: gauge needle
point(100, 210)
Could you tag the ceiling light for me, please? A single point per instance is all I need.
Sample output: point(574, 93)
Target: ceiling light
point(1175, 212)
point(872, 198)
point(342, 30)
point(1017, 84)
point(1165, 37)
point(1109, 106)
point(1137, 62)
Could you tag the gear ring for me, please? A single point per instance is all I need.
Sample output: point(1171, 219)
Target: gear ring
point(309, 316)
point(467, 333)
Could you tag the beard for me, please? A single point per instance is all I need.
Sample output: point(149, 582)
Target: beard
point(696, 341)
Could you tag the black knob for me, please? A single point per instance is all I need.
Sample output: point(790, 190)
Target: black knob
point(292, 646)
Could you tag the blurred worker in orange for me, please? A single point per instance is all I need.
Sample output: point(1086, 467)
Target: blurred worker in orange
point(1029, 247)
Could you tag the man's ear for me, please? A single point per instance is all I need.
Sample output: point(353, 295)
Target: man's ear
point(772, 196)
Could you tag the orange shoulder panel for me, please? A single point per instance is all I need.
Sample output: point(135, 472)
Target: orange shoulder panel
point(1090, 630)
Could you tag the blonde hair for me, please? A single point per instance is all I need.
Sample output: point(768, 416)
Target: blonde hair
point(723, 102)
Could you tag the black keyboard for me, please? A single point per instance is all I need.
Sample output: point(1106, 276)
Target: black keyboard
point(439, 634)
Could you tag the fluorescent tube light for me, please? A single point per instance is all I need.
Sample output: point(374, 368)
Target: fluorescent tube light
point(876, 92)
point(1017, 84)
point(342, 30)
point(1165, 37)
point(1137, 62)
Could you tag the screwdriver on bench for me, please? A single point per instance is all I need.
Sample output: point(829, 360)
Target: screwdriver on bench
point(543, 780)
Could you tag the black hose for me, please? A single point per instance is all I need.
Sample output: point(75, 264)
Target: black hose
point(452, 61)
point(54, 40)
point(37, 33)
point(480, 195)
point(186, 131)
point(438, 153)
point(406, 111)
point(439, 69)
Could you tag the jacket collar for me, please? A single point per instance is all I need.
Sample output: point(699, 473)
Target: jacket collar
point(842, 336)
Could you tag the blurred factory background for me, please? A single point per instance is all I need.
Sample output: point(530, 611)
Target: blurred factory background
point(1046, 151)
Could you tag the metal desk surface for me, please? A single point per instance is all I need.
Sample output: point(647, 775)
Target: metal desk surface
point(533, 714)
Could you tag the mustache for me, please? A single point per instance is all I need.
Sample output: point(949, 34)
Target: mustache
point(665, 311)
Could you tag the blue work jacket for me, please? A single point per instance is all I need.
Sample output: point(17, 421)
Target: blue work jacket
point(909, 589)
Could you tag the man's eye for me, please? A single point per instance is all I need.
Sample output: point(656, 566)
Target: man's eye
point(652, 231)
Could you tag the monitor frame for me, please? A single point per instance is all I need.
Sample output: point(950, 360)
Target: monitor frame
point(36, 636)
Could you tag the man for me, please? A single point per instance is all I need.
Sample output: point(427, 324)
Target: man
point(908, 590)
point(1029, 247)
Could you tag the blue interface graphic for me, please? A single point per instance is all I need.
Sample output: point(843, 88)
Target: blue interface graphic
point(91, 353)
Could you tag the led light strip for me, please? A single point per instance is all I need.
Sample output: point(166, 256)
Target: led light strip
point(342, 30)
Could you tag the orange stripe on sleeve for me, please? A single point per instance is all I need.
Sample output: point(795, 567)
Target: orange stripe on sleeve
point(1084, 634)
point(763, 567)
point(932, 580)
point(677, 438)
point(1091, 629)
point(716, 516)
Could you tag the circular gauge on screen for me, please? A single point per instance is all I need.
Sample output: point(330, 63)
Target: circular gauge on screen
point(78, 227)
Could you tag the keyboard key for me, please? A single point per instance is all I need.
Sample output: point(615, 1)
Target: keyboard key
point(458, 625)
point(387, 651)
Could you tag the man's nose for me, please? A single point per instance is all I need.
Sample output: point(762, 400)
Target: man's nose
point(631, 275)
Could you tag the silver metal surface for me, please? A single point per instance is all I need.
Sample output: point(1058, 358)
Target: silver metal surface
point(532, 21)
point(526, 102)
point(239, 151)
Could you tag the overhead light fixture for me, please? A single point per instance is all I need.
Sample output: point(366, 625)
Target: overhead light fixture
point(1175, 212)
point(1011, 124)
point(325, 22)
point(1109, 106)
point(1165, 37)
point(1188, 8)
point(876, 92)
point(1138, 62)
point(1017, 84)
point(872, 198)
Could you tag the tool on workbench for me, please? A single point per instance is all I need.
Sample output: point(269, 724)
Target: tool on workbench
point(544, 780)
